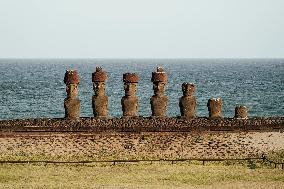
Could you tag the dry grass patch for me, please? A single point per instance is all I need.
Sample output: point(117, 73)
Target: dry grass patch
point(141, 175)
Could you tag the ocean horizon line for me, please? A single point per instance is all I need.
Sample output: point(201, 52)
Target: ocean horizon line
point(140, 58)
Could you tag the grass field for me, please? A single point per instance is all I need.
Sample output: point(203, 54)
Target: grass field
point(141, 175)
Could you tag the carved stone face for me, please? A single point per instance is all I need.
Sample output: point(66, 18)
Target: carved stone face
point(159, 88)
point(72, 90)
point(188, 90)
point(99, 88)
point(130, 89)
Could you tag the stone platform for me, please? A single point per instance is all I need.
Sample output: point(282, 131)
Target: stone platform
point(139, 138)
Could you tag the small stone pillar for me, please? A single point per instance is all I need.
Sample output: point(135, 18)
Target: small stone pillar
point(187, 102)
point(241, 112)
point(71, 102)
point(215, 107)
point(129, 102)
point(99, 100)
point(159, 101)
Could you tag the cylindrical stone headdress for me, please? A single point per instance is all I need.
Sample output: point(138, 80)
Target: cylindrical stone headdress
point(99, 75)
point(159, 76)
point(71, 77)
point(130, 78)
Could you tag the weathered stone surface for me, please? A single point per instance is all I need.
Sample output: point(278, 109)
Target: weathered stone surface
point(72, 91)
point(100, 106)
point(99, 100)
point(129, 106)
point(159, 76)
point(130, 78)
point(159, 106)
point(126, 145)
point(71, 77)
point(241, 112)
point(99, 75)
point(129, 102)
point(144, 124)
point(187, 102)
point(72, 103)
point(215, 107)
point(72, 108)
point(159, 101)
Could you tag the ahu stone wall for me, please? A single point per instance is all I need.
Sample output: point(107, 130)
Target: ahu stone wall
point(139, 138)
point(148, 145)
point(143, 124)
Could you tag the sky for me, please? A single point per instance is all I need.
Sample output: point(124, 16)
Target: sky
point(141, 28)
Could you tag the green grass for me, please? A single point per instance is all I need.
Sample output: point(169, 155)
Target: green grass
point(140, 175)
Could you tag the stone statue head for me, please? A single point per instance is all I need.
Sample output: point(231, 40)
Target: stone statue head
point(241, 112)
point(72, 90)
point(99, 88)
point(159, 79)
point(130, 89)
point(159, 88)
point(72, 80)
point(188, 89)
point(99, 78)
point(130, 83)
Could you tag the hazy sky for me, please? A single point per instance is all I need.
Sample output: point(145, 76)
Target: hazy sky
point(141, 28)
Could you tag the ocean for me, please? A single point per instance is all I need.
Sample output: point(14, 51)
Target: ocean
point(34, 88)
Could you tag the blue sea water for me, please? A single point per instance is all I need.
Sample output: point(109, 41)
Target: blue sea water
point(33, 88)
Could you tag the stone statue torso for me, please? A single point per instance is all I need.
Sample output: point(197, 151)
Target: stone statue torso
point(72, 108)
point(187, 106)
point(100, 105)
point(129, 105)
point(159, 105)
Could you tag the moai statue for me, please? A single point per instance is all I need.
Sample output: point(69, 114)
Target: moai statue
point(99, 100)
point(159, 101)
point(215, 107)
point(129, 102)
point(241, 112)
point(71, 102)
point(187, 102)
